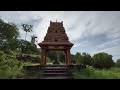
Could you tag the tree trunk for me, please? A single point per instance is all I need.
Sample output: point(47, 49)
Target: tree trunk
point(25, 35)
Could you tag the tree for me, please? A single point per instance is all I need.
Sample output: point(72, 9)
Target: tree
point(102, 60)
point(12, 44)
point(117, 63)
point(52, 55)
point(27, 47)
point(27, 28)
point(73, 59)
point(8, 33)
point(78, 58)
point(56, 55)
point(61, 56)
point(86, 59)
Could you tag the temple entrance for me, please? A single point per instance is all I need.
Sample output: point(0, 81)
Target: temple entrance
point(55, 40)
point(55, 58)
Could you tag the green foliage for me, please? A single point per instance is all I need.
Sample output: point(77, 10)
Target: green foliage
point(102, 60)
point(93, 73)
point(8, 32)
point(30, 64)
point(20, 46)
point(73, 59)
point(27, 47)
point(56, 55)
point(49, 61)
point(61, 56)
point(117, 63)
point(27, 28)
point(2, 56)
point(52, 55)
point(9, 42)
point(85, 58)
point(78, 58)
point(10, 67)
point(34, 55)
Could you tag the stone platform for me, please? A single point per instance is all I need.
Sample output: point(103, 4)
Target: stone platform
point(55, 71)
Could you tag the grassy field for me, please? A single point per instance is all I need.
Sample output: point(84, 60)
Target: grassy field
point(92, 73)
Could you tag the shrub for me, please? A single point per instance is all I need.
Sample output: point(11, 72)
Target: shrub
point(102, 60)
point(117, 63)
point(9, 66)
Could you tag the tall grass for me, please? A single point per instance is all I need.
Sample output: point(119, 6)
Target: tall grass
point(11, 72)
point(92, 73)
point(9, 67)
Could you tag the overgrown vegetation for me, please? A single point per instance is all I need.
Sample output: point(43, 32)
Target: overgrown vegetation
point(11, 47)
point(10, 67)
point(93, 73)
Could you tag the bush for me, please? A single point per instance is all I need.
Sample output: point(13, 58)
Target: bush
point(2, 56)
point(117, 63)
point(102, 60)
point(9, 66)
point(93, 73)
point(13, 53)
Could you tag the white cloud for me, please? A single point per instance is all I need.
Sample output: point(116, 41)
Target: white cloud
point(109, 44)
point(83, 44)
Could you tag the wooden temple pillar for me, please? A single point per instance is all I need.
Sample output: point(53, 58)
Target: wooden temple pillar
point(45, 61)
point(43, 57)
point(67, 57)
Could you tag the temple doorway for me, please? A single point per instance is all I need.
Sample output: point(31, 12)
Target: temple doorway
point(55, 58)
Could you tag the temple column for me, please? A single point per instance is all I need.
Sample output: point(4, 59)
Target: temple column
point(45, 62)
point(43, 57)
point(41, 60)
point(69, 57)
point(66, 57)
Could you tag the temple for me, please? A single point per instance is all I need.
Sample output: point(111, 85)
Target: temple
point(55, 39)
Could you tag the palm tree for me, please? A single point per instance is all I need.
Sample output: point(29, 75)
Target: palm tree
point(27, 28)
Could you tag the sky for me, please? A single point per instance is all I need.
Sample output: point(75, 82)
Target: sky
point(89, 31)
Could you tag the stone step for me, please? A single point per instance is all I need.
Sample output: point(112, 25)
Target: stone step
point(55, 65)
point(58, 77)
point(39, 67)
point(55, 68)
point(56, 71)
point(55, 74)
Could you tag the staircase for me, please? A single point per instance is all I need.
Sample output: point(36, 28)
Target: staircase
point(56, 72)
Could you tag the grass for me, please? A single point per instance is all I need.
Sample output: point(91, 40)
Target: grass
point(8, 72)
point(92, 73)
point(32, 55)
point(30, 64)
